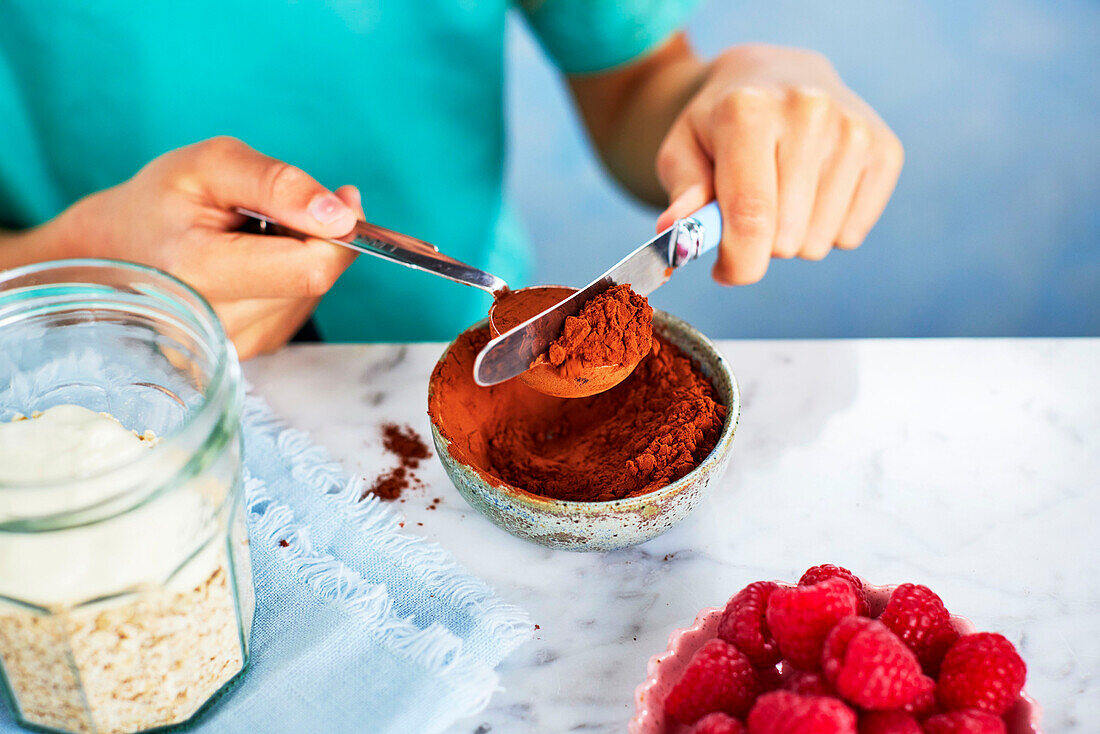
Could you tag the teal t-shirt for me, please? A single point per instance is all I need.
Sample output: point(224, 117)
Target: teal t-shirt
point(403, 98)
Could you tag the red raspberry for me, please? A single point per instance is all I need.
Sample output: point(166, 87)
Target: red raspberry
point(800, 618)
point(967, 721)
point(718, 678)
point(783, 712)
point(718, 723)
point(829, 571)
point(981, 671)
point(917, 615)
point(744, 625)
point(888, 722)
point(810, 684)
point(925, 703)
point(869, 666)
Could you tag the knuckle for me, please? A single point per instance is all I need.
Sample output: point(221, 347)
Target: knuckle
point(812, 104)
point(223, 142)
point(855, 132)
point(212, 152)
point(742, 104)
point(219, 146)
point(750, 213)
point(283, 180)
point(320, 277)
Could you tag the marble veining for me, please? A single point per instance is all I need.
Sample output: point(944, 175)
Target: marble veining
point(971, 465)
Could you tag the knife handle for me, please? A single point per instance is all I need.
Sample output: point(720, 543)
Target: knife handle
point(710, 219)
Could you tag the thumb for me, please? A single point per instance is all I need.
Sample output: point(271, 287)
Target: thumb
point(350, 195)
point(234, 174)
point(686, 173)
point(345, 256)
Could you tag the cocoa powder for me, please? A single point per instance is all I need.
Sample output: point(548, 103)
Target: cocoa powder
point(406, 444)
point(614, 327)
point(644, 433)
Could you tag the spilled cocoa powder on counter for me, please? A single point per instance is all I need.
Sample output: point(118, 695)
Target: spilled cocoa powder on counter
point(648, 431)
point(406, 444)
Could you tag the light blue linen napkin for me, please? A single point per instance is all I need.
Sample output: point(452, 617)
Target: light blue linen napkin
point(358, 627)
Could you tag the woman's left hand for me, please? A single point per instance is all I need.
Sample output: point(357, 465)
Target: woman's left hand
point(797, 162)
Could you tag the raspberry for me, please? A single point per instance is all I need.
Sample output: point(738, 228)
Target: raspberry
point(783, 712)
point(917, 615)
point(811, 684)
point(981, 671)
point(925, 703)
point(744, 625)
point(829, 571)
point(888, 722)
point(869, 666)
point(718, 723)
point(718, 678)
point(967, 721)
point(800, 618)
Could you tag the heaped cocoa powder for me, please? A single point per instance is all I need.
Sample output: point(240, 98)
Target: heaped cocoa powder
point(614, 327)
point(406, 444)
point(644, 433)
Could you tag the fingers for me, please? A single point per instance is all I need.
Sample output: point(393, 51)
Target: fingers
point(836, 188)
point(232, 174)
point(686, 173)
point(746, 182)
point(873, 192)
point(262, 266)
point(800, 157)
point(258, 326)
point(236, 265)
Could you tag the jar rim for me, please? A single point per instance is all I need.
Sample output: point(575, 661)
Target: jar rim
point(225, 369)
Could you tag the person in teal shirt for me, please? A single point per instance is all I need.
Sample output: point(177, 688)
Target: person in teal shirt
point(129, 130)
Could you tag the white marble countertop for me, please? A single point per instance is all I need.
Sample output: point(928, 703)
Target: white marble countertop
point(972, 466)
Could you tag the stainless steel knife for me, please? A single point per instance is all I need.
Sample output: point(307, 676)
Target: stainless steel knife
point(647, 268)
point(385, 243)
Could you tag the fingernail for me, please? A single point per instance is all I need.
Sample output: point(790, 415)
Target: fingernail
point(326, 208)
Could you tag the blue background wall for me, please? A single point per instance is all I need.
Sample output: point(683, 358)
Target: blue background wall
point(994, 228)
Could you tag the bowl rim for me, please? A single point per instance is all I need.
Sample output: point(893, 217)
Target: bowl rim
point(706, 614)
point(625, 504)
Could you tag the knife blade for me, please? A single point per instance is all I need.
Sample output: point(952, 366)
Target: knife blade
point(372, 239)
point(644, 270)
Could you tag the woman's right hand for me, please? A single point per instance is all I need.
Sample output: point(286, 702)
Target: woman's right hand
point(176, 214)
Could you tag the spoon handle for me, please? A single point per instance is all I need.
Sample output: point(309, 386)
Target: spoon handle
point(710, 219)
point(387, 244)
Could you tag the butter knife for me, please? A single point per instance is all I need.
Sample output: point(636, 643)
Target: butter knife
point(646, 269)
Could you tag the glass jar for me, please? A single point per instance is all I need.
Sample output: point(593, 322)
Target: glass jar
point(125, 594)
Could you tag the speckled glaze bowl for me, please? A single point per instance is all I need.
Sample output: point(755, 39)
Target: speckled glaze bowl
point(665, 669)
point(598, 526)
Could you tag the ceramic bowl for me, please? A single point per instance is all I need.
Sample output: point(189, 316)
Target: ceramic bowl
point(665, 669)
point(599, 526)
